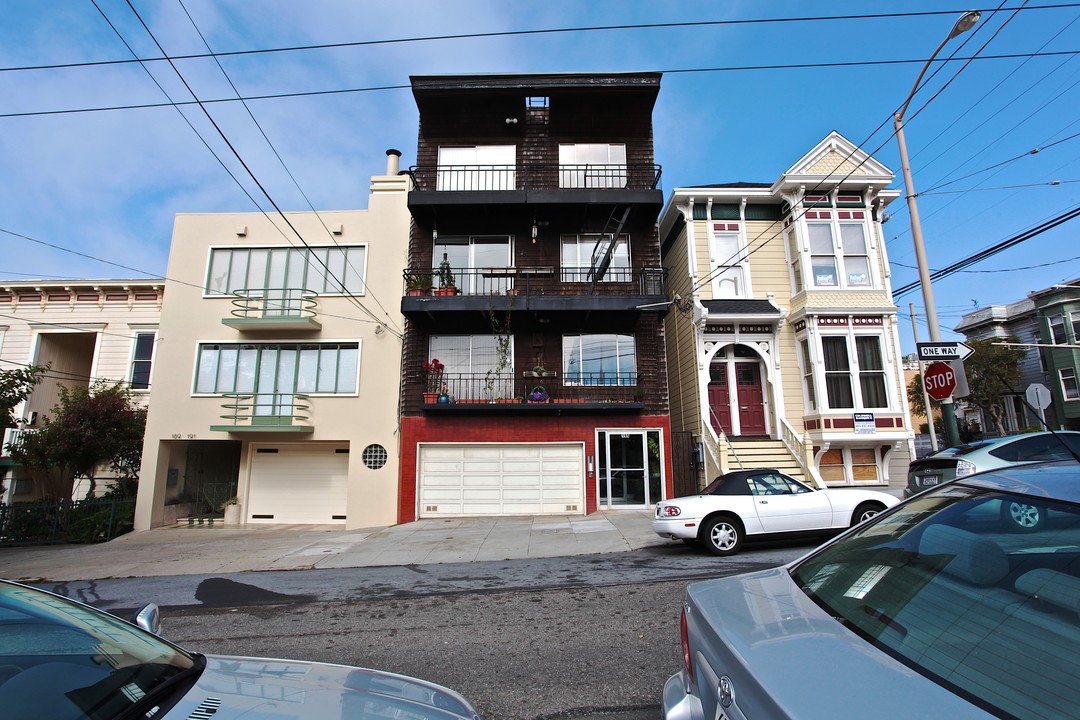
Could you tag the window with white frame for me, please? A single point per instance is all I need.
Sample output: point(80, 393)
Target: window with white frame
point(794, 257)
point(1068, 384)
point(277, 368)
point(474, 366)
point(326, 270)
point(843, 367)
point(142, 357)
point(477, 167)
point(1074, 320)
point(838, 265)
point(592, 165)
point(727, 260)
point(599, 360)
point(1057, 330)
point(583, 255)
point(469, 254)
point(808, 373)
point(849, 466)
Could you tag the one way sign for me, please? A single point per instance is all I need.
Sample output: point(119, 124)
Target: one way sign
point(934, 351)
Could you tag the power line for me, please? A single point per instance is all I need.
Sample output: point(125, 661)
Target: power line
point(515, 33)
point(379, 88)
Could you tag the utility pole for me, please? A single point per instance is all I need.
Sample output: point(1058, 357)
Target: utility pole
point(925, 395)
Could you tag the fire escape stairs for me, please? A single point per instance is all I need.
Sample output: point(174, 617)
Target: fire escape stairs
point(605, 244)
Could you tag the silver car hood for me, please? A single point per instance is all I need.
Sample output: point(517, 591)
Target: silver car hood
point(788, 658)
point(266, 689)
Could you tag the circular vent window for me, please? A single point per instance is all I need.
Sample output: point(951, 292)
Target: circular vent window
point(374, 456)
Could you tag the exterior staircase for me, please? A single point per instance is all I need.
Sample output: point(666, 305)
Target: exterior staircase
point(746, 454)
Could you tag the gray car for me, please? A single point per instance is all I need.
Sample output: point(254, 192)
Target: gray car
point(990, 454)
point(62, 660)
point(934, 609)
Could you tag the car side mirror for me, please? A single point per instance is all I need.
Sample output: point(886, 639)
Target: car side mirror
point(148, 617)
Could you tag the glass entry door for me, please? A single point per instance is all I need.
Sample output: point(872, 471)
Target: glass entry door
point(628, 468)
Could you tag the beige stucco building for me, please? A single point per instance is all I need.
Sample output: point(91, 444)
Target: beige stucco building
point(84, 331)
point(276, 382)
point(782, 346)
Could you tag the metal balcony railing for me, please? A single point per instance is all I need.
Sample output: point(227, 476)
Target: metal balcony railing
point(537, 280)
point(266, 410)
point(534, 176)
point(13, 437)
point(278, 303)
point(509, 388)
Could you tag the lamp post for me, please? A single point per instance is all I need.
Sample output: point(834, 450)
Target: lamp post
point(963, 24)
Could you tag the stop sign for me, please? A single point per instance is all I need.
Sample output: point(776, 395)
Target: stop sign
point(940, 380)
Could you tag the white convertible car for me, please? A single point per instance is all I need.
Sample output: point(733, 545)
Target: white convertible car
point(762, 503)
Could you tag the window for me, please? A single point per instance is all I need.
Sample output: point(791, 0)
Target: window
point(822, 255)
point(472, 366)
point(582, 254)
point(1074, 320)
point(837, 372)
point(329, 368)
point(468, 254)
point(592, 165)
point(727, 260)
point(808, 374)
point(793, 254)
point(845, 266)
point(599, 360)
point(374, 457)
point(871, 372)
point(477, 167)
point(1068, 384)
point(141, 360)
point(325, 270)
point(1057, 330)
point(849, 466)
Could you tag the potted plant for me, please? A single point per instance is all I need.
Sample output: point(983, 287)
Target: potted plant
point(539, 394)
point(231, 509)
point(432, 372)
point(417, 284)
point(447, 282)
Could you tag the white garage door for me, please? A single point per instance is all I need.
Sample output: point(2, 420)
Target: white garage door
point(298, 484)
point(476, 479)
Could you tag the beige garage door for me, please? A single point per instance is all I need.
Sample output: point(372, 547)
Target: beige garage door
point(477, 479)
point(298, 484)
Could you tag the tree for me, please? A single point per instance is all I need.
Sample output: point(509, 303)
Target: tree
point(993, 371)
point(88, 428)
point(16, 386)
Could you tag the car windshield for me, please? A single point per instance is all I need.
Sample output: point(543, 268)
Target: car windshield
point(954, 587)
point(65, 661)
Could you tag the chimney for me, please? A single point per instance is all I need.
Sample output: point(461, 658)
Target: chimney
point(392, 162)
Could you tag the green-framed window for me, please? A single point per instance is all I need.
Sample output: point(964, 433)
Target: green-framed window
point(311, 368)
point(326, 270)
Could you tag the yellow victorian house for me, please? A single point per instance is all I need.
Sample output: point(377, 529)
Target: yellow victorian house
point(782, 344)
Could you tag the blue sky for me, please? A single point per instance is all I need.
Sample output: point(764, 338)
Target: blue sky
point(107, 184)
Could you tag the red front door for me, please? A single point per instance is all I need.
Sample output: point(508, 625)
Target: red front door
point(719, 399)
point(751, 407)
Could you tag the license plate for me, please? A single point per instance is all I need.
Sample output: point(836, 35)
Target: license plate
point(928, 479)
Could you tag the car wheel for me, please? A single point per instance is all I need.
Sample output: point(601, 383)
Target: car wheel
point(722, 535)
point(1022, 517)
point(865, 511)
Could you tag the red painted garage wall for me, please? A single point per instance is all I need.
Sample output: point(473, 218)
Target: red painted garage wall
point(502, 429)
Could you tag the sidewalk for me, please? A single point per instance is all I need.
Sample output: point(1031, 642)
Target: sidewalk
point(207, 550)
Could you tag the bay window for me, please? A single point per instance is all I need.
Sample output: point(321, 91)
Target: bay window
point(1069, 388)
point(1057, 330)
point(842, 392)
point(599, 360)
point(282, 368)
point(836, 265)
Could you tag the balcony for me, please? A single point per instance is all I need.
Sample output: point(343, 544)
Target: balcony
point(12, 438)
point(532, 184)
point(265, 413)
point(276, 309)
point(508, 393)
point(534, 287)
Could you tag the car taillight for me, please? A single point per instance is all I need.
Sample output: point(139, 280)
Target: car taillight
point(686, 644)
point(670, 511)
point(963, 467)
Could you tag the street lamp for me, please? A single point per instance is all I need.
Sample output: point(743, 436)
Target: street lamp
point(948, 413)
